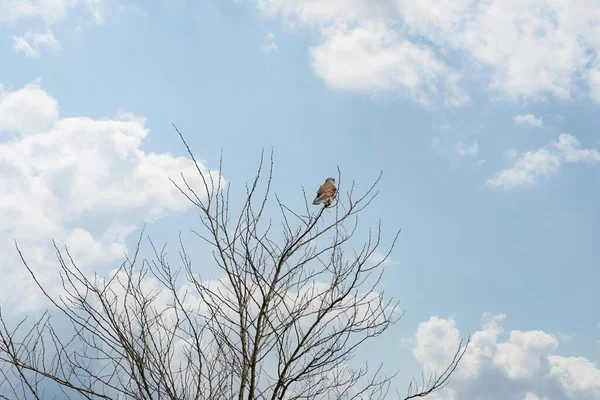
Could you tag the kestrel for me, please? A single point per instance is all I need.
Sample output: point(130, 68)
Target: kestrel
point(326, 193)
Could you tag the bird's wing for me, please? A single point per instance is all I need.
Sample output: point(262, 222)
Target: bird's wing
point(333, 189)
point(322, 189)
point(327, 188)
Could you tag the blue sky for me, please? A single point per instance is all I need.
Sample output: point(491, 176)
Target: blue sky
point(480, 113)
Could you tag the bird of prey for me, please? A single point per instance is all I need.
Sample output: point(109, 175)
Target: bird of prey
point(326, 193)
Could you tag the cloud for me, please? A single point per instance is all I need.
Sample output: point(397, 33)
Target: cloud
point(523, 366)
point(529, 119)
point(479, 162)
point(570, 149)
point(319, 13)
point(380, 257)
point(360, 52)
point(270, 46)
point(527, 170)
point(85, 183)
point(50, 11)
point(32, 43)
point(543, 163)
point(374, 59)
point(459, 150)
point(463, 150)
point(533, 48)
point(566, 337)
point(434, 354)
point(594, 82)
point(27, 111)
point(577, 376)
point(527, 49)
point(533, 396)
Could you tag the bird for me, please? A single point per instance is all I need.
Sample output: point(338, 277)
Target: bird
point(326, 193)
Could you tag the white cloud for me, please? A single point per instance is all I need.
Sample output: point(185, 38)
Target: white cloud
point(576, 375)
point(530, 48)
point(361, 52)
point(570, 149)
point(375, 59)
point(523, 367)
point(527, 170)
point(317, 12)
point(32, 43)
point(543, 162)
point(533, 396)
point(529, 119)
point(27, 111)
point(98, 9)
point(459, 150)
point(50, 11)
point(435, 355)
point(464, 150)
point(520, 356)
point(533, 47)
point(85, 183)
point(380, 257)
point(594, 82)
point(270, 46)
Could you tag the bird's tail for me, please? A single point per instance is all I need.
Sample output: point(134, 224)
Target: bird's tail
point(318, 200)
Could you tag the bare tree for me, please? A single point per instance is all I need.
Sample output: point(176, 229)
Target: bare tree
point(283, 322)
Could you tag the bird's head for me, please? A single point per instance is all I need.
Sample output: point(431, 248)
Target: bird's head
point(332, 180)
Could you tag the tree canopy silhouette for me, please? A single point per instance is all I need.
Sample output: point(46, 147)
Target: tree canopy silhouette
point(283, 321)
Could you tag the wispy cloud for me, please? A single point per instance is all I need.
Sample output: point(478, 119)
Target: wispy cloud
point(33, 43)
point(373, 58)
point(50, 11)
point(270, 46)
point(464, 150)
point(543, 162)
point(380, 257)
point(529, 119)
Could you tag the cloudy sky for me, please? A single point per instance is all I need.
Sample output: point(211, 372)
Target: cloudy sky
point(483, 115)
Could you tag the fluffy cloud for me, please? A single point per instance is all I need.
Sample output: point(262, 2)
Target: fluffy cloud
point(522, 367)
point(543, 162)
point(529, 119)
point(27, 111)
point(530, 49)
point(373, 59)
point(85, 183)
point(32, 43)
